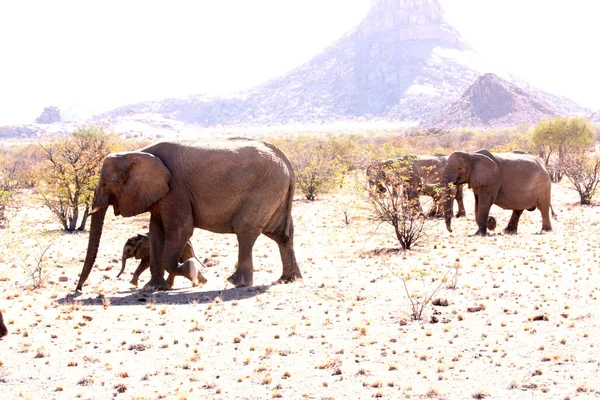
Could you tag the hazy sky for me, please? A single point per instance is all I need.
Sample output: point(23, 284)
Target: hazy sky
point(92, 56)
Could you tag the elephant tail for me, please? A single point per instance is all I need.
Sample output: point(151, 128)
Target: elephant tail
point(189, 243)
point(290, 199)
point(553, 214)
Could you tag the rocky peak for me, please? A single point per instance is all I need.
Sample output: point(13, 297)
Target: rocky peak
point(410, 20)
point(50, 115)
point(493, 102)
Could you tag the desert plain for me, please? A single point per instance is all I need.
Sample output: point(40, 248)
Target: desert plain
point(519, 317)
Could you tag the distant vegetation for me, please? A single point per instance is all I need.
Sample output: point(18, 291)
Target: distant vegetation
point(63, 171)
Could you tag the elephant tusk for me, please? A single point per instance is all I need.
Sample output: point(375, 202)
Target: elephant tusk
point(95, 210)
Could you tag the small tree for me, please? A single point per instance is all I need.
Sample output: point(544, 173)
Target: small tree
point(584, 173)
point(8, 186)
point(389, 204)
point(317, 165)
point(71, 176)
point(558, 137)
point(6, 202)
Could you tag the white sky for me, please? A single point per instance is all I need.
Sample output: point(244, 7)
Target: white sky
point(92, 56)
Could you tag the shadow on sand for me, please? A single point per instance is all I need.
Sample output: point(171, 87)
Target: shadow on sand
point(177, 296)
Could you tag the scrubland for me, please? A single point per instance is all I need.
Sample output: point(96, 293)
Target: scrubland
point(511, 317)
point(344, 331)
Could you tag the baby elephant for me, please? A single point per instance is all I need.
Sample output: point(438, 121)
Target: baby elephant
point(3, 330)
point(138, 246)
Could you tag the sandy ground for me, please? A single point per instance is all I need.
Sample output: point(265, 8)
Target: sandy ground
point(344, 332)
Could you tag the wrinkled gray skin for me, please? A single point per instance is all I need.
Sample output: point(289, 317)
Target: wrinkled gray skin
point(138, 246)
point(514, 181)
point(232, 185)
point(3, 330)
point(424, 180)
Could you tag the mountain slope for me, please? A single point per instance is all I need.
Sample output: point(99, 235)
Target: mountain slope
point(402, 62)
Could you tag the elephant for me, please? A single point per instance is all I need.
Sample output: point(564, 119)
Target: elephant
point(423, 179)
point(513, 181)
point(138, 246)
point(229, 185)
point(3, 330)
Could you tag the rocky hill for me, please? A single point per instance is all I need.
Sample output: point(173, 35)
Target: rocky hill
point(492, 102)
point(594, 117)
point(403, 62)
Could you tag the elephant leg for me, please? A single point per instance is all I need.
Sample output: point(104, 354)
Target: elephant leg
point(483, 203)
point(144, 265)
point(414, 197)
point(513, 224)
point(546, 224)
point(189, 269)
point(434, 209)
point(244, 271)
point(173, 250)
point(459, 200)
point(290, 272)
point(157, 267)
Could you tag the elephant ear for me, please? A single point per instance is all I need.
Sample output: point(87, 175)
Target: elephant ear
point(484, 172)
point(147, 182)
point(143, 247)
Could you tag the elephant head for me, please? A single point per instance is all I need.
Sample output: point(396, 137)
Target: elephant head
point(476, 169)
point(131, 182)
point(137, 246)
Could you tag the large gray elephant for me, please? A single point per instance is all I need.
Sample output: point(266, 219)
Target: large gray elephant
point(3, 330)
point(233, 185)
point(423, 178)
point(514, 181)
point(138, 247)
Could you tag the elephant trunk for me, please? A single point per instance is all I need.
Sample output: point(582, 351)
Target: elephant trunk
point(123, 262)
point(93, 244)
point(448, 203)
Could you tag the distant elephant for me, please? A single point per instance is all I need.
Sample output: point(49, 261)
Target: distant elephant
point(231, 185)
point(3, 330)
point(423, 178)
point(138, 246)
point(514, 181)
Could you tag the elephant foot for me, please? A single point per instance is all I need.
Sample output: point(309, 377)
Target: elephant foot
point(201, 279)
point(191, 270)
point(547, 229)
point(156, 284)
point(134, 282)
point(480, 232)
point(509, 230)
point(288, 278)
point(491, 223)
point(239, 279)
point(461, 214)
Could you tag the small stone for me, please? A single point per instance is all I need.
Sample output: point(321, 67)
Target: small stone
point(474, 309)
point(440, 302)
point(63, 279)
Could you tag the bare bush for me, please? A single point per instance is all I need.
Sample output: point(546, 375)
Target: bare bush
point(34, 262)
point(583, 171)
point(389, 204)
point(431, 282)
